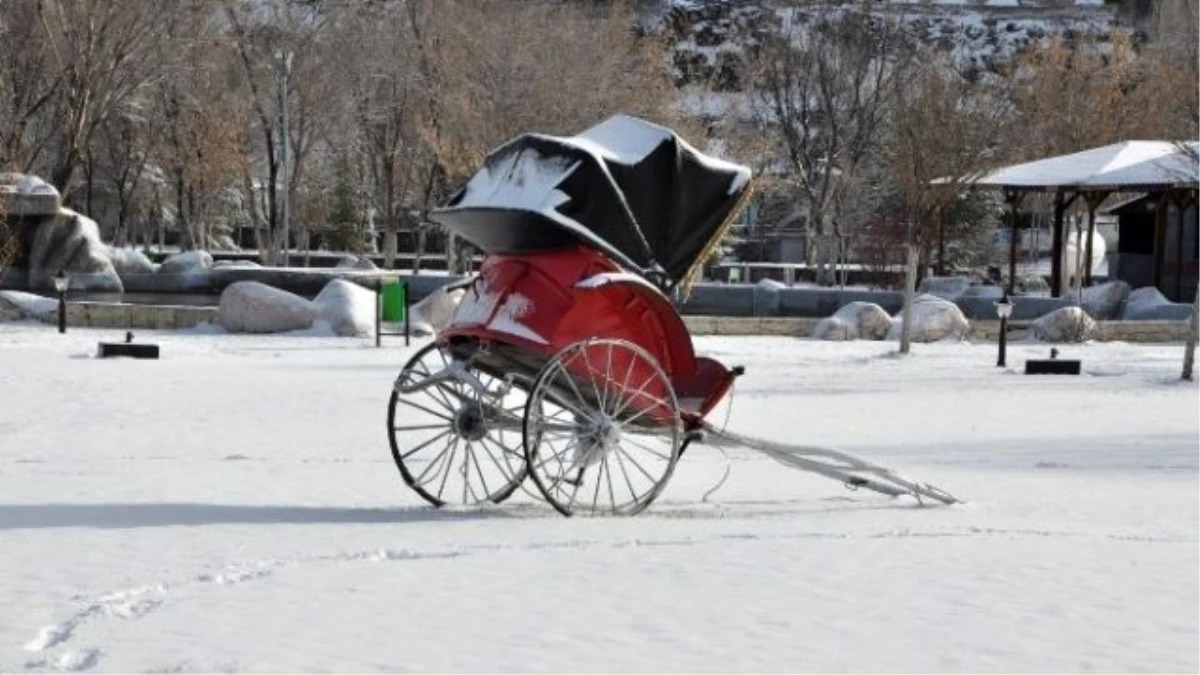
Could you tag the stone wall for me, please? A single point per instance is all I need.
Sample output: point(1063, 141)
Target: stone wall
point(114, 315)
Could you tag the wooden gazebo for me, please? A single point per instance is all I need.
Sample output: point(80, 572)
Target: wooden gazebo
point(1164, 169)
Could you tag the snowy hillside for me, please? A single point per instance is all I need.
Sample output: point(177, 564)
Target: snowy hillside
point(711, 36)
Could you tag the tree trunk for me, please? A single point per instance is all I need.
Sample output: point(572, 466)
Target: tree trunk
point(1189, 351)
point(910, 291)
point(390, 230)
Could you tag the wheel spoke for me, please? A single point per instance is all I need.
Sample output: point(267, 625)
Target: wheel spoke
point(425, 444)
point(636, 464)
point(419, 427)
point(646, 448)
point(423, 409)
point(625, 473)
point(449, 467)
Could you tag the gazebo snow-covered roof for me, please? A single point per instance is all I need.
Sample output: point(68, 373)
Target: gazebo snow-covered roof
point(1164, 168)
point(1125, 166)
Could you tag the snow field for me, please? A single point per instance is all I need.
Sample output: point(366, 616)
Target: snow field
point(233, 507)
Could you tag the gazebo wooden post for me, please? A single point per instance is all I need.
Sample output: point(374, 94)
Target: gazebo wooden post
point(1160, 220)
point(1056, 245)
point(1013, 197)
point(1183, 200)
point(1094, 199)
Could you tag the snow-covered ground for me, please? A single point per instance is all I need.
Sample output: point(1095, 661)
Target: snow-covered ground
point(233, 507)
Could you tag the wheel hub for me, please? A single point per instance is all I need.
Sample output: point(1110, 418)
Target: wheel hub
point(469, 422)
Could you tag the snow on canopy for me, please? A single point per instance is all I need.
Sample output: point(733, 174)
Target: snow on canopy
point(628, 187)
point(1125, 165)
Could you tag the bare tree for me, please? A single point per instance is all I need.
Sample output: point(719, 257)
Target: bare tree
point(100, 52)
point(825, 83)
point(942, 135)
point(29, 89)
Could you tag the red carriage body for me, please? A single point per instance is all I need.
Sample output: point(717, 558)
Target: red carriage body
point(521, 310)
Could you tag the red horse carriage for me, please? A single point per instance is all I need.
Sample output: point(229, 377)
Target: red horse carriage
point(566, 361)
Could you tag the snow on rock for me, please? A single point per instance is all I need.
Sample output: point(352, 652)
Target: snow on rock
point(355, 262)
point(1104, 302)
point(946, 288)
point(27, 195)
point(435, 311)
point(855, 321)
point(188, 261)
point(130, 261)
point(1065, 324)
point(246, 264)
point(1034, 285)
point(348, 308)
point(933, 319)
point(1148, 304)
point(16, 305)
point(253, 307)
point(70, 242)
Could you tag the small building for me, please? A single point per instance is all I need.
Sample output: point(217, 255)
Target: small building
point(1174, 269)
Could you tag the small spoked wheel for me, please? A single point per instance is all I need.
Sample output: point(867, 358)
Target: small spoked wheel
point(453, 442)
point(601, 429)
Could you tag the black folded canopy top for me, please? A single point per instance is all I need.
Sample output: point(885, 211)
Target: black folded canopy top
point(630, 188)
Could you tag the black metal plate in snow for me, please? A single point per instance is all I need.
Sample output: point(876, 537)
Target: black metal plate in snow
point(1052, 367)
point(137, 351)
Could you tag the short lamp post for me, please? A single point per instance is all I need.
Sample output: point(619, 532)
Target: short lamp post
point(61, 281)
point(1004, 309)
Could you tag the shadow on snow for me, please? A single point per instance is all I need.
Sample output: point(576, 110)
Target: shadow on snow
point(122, 516)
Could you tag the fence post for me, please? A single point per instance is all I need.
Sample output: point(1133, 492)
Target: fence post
point(378, 311)
point(407, 313)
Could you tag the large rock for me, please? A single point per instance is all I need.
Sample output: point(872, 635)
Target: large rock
point(253, 307)
point(1104, 302)
point(15, 305)
point(355, 263)
point(1149, 304)
point(1034, 285)
point(348, 308)
point(188, 261)
point(130, 261)
point(1067, 324)
point(70, 242)
point(946, 288)
point(855, 321)
point(933, 319)
point(26, 196)
point(435, 311)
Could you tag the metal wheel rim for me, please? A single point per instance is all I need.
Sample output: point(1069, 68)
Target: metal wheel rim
point(439, 454)
point(566, 439)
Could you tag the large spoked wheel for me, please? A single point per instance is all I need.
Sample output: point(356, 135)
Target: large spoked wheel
point(602, 429)
point(453, 443)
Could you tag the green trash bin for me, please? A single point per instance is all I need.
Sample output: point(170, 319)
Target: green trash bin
point(393, 301)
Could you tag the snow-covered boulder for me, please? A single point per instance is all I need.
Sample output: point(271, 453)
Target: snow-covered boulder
point(435, 311)
point(188, 261)
point(855, 321)
point(16, 305)
point(236, 264)
point(253, 307)
point(1103, 302)
point(128, 261)
point(70, 242)
point(26, 195)
point(933, 319)
point(1148, 304)
point(355, 263)
point(348, 308)
point(1034, 284)
point(946, 288)
point(1065, 324)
